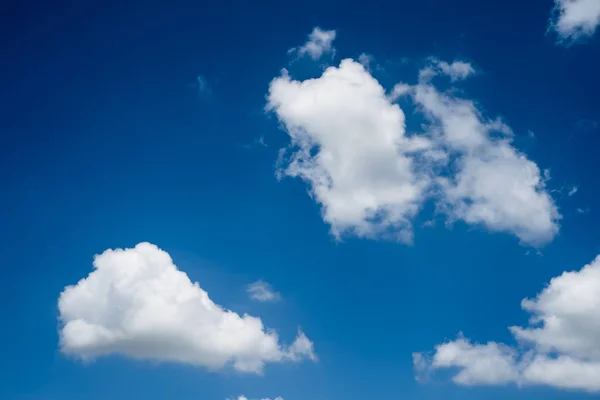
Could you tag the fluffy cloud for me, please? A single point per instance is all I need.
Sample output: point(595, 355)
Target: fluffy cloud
point(575, 19)
point(319, 42)
point(457, 70)
point(351, 149)
point(263, 292)
point(138, 304)
point(494, 185)
point(242, 397)
point(560, 347)
point(349, 143)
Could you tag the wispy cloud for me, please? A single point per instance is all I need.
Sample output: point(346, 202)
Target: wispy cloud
point(573, 190)
point(263, 291)
point(202, 87)
point(259, 141)
point(456, 70)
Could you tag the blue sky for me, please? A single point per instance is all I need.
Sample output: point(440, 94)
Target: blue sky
point(423, 191)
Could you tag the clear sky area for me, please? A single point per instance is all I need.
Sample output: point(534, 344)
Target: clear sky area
point(315, 200)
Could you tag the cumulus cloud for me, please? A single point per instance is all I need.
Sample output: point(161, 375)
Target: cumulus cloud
point(560, 347)
point(575, 19)
point(263, 292)
point(137, 303)
point(350, 147)
point(349, 143)
point(320, 42)
point(494, 185)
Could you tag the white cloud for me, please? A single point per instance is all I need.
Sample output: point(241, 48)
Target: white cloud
point(457, 70)
point(351, 147)
point(494, 185)
point(491, 364)
point(319, 42)
point(137, 303)
point(560, 347)
point(262, 291)
point(242, 397)
point(399, 90)
point(575, 19)
point(573, 190)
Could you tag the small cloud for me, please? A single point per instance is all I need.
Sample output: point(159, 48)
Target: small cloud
point(574, 20)
point(426, 74)
point(583, 210)
point(428, 224)
point(319, 42)
point(421, 366)
point(457, 70)
point(366, 60)
point(534, 252)
point(573, 190)
point(201, 86)
point(546, 175)
point(399, 90)
point(260, 141)
point(563, 190)
point(262, 291)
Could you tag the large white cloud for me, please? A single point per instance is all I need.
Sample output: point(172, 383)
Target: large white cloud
point(350, 145)
point(575, 19)
point(560, 347)
point(138, 304)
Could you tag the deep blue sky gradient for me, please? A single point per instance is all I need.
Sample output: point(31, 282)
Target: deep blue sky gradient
point(104, 142)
